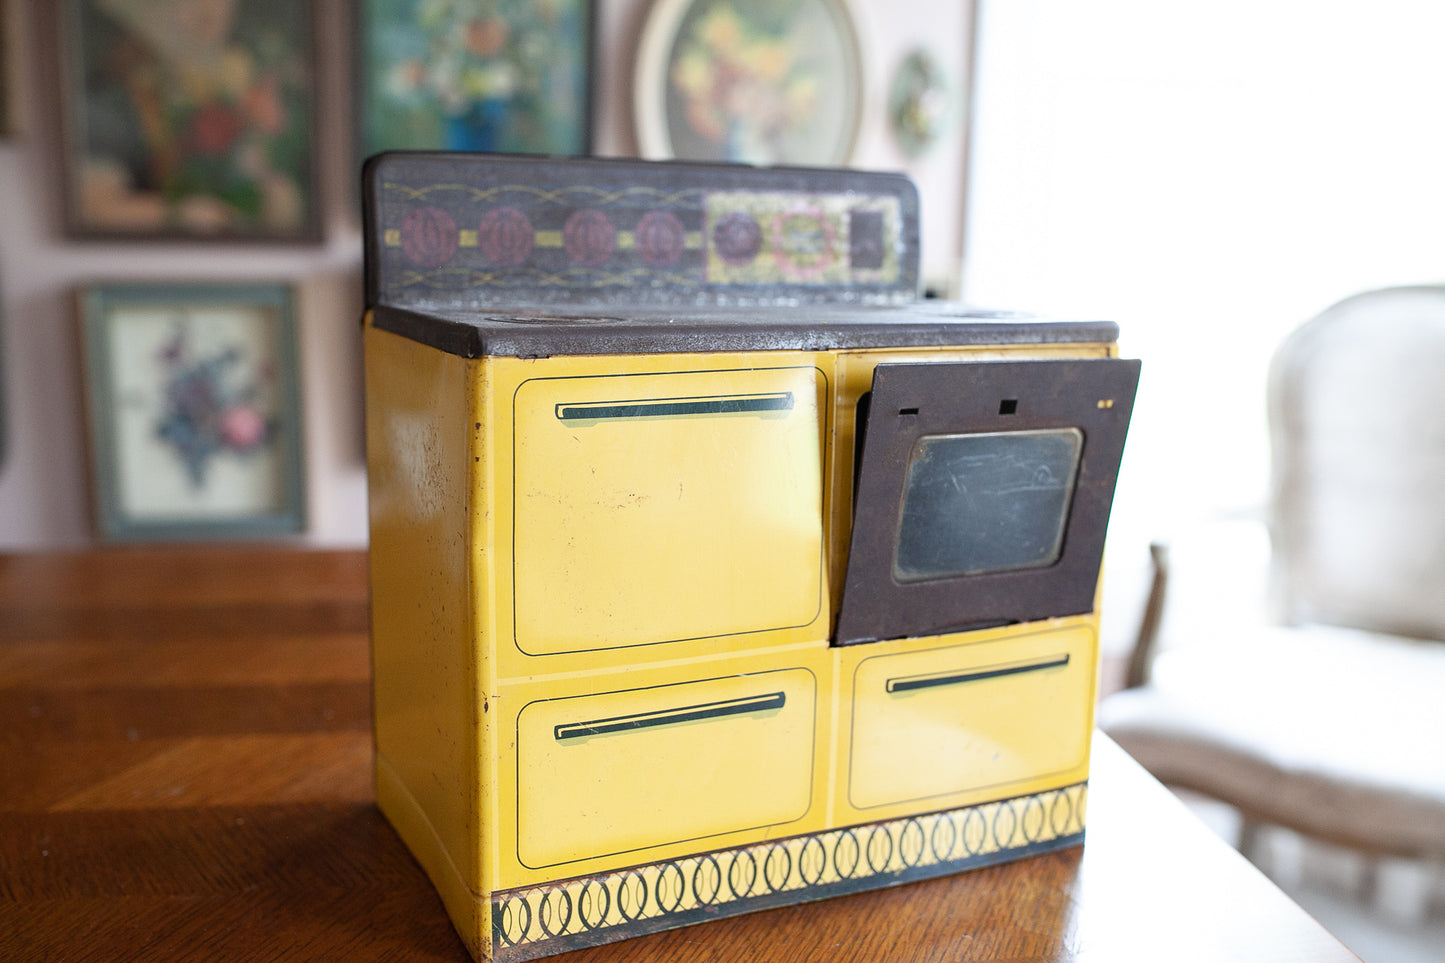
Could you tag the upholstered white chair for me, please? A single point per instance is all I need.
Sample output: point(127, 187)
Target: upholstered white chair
point(1327, 716)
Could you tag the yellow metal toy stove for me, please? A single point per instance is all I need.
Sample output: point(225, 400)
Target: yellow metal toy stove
point(712, 570)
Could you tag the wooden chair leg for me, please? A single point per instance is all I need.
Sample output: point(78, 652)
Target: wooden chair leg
point(1137, 672)
point(1400, 889)
point(1250, 839)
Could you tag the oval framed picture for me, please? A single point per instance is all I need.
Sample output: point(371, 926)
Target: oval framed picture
point(749, 81)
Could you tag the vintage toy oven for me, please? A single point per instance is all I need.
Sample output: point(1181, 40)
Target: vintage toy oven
point(711, 570)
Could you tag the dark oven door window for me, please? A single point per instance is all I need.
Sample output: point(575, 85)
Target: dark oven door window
point(982, 494)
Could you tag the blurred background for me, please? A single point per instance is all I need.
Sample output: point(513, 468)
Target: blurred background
point(1210, 176)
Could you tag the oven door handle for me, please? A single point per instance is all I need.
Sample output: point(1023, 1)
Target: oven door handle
point(667, 717)
point(663, 407)
point(915, 682)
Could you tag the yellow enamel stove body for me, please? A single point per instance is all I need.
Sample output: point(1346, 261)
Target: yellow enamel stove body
point(711, 571)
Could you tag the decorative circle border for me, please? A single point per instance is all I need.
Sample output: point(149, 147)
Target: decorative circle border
point(675, 892)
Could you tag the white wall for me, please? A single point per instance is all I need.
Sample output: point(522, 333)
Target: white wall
point(1209, 175)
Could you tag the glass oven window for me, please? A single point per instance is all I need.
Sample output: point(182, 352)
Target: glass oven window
point(977, 499)
point(989, 502)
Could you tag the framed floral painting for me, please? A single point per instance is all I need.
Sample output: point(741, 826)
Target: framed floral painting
point(194, 411)
point(189, 118)
point(753, 81)
point(480, 75)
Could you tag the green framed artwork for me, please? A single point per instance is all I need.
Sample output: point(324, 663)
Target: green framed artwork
point(194, 411)
point(188, 118)
point(475, 75)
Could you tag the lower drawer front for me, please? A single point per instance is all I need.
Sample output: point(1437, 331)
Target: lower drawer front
point(950, 720)
point(621, 772)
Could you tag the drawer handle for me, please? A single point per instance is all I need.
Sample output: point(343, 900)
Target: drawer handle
point(666, 717)
point(908, 684)
point(662, 407)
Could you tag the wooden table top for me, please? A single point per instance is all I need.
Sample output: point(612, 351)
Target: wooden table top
point(185, 759)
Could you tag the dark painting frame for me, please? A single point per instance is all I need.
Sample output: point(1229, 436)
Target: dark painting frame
point(910, 402)
point(188, 129)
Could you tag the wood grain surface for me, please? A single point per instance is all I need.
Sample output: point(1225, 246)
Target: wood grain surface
point(185, 758)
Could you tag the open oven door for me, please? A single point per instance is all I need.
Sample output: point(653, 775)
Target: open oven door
point(982, 494)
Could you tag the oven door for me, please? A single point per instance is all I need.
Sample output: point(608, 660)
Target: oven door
point(654, 508)
point(929, 724)
point(983, 494)
point(615, 773)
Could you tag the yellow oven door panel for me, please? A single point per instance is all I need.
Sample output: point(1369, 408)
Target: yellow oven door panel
point(662, 507)
point(987, 715)
point(623, 772)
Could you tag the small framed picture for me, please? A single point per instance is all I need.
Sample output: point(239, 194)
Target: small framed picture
point(475, 75)
point(748, 81)
point(188, 118)
point(194, 411)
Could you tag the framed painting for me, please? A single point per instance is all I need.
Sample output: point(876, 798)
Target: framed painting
point(194, 411)
point(475, 75)
point(752, 81)
point(188, 118)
